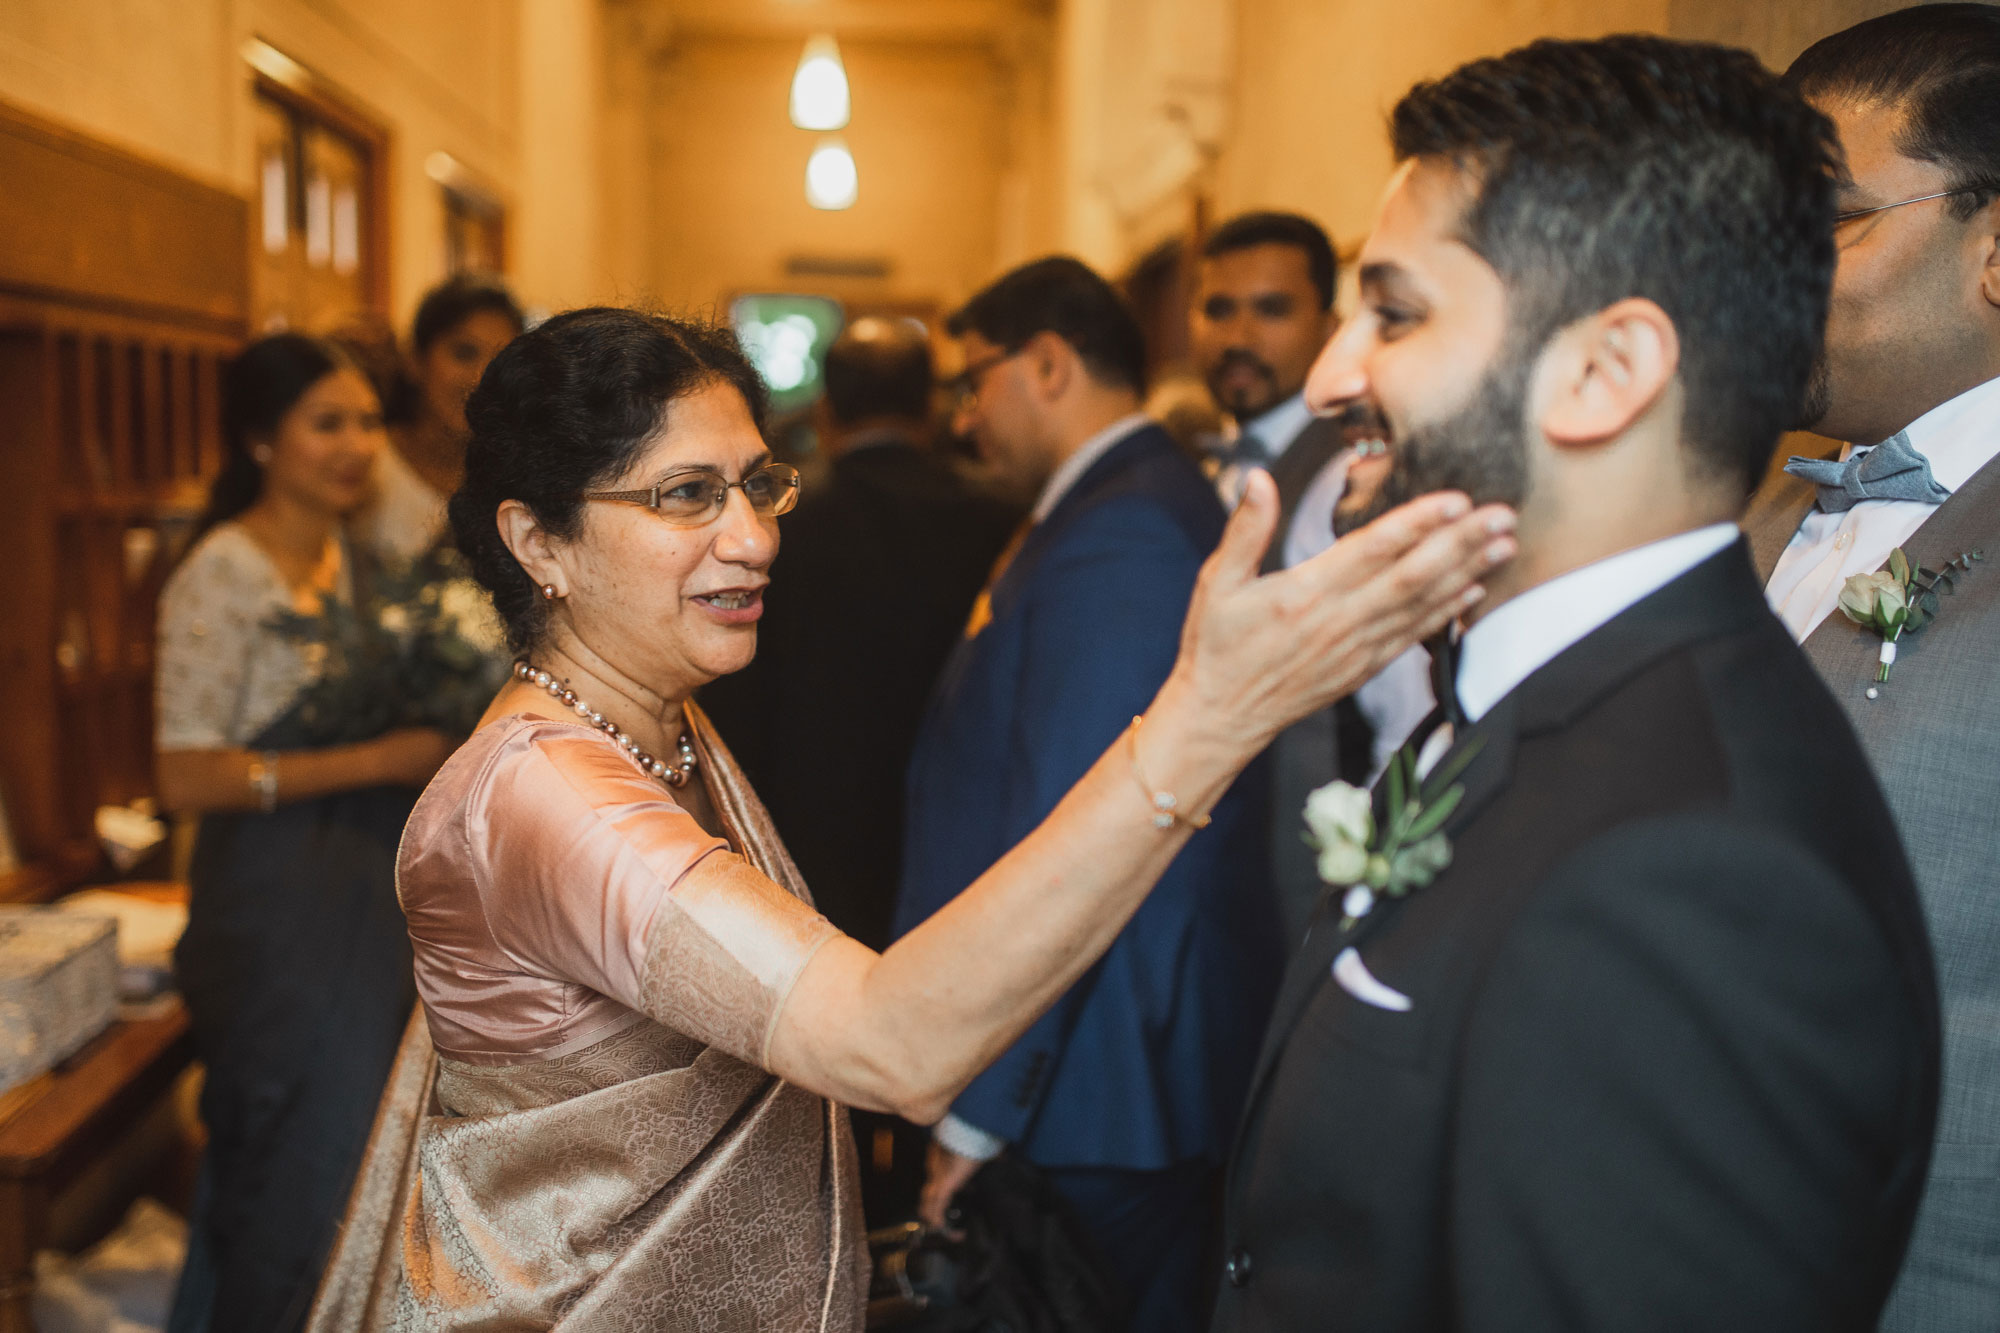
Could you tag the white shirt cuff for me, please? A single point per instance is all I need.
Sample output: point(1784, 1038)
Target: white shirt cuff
point(967, 1140)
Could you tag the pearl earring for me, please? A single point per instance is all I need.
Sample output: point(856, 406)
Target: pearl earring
point(549, 592)
point(261, 455)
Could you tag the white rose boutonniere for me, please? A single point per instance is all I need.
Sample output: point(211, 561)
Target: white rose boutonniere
point(1407, 852)
point(1900, 599)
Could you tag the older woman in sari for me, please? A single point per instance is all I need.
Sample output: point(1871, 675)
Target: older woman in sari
point(623, 1108)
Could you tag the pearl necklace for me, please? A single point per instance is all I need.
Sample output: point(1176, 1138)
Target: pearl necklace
point(674, 775)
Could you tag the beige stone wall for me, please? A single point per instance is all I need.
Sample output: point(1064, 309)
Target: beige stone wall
point(1314, 79)
point(155, 78)
point(934, 146)
point(456, 76)
point(1776, 32)
point(643, 149)
point(1315, 82)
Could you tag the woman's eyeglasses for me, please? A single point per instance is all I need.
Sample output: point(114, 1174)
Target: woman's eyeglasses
point(690, 499)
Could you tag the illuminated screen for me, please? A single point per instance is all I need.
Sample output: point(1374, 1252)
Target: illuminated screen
point(786, 338)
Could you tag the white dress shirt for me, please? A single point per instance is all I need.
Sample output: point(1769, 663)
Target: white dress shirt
point(1957, 438)
point(1064, 479)
point(1521, 636)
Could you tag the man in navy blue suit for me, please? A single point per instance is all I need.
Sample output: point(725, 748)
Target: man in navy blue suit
point(1127, 1091)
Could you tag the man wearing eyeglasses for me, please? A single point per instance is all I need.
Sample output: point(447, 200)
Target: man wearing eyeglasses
point(1127, 1091)
point(1910, 378)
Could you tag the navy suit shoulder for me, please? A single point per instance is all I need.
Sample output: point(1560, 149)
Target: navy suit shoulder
point(1141, 1064)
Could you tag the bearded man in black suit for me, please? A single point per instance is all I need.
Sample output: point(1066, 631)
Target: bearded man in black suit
point(1658, 1048)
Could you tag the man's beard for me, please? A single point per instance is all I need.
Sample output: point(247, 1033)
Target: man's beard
point(1246, 403)
point(1819, 394)
point(1481, 449)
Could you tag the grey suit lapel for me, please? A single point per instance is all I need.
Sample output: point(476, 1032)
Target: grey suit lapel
point(1969, 520)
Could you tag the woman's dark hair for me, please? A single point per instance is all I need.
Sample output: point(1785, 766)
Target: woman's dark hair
point(457, 299)
point(567, 408)
point(263, 383)
point(445, 307)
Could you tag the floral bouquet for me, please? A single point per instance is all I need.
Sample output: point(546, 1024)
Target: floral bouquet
point(419, 647)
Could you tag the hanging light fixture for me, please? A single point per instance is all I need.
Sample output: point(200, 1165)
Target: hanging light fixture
point(831, 180)
point(819, 86)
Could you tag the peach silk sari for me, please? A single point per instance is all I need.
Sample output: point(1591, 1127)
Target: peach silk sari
point(646, 1181)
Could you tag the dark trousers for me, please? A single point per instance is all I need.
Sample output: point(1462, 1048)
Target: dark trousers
point(1152, 1229)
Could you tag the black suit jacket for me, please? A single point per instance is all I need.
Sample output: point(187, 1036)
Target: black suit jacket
point(877, 569)
point(1671, 1060)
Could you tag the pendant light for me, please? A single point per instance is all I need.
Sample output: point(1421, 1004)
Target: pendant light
point(831, 179)
point(819, 86)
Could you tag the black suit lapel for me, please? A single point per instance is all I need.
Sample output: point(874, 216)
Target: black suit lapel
point(1484, 777)
point(1721, 595)
point(1293, 472)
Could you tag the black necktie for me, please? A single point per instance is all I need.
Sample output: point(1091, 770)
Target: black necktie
point(1443, 648)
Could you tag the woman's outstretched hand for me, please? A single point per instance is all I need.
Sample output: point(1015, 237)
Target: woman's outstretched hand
point(1260, 652)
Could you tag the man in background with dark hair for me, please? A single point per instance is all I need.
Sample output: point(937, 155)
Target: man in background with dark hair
point(1649, 1040)
point(1263, 309)
point(1910, 378)
point(878, 569)
point(1127, 1091)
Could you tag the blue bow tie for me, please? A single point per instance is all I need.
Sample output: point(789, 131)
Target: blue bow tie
point(1892, 470)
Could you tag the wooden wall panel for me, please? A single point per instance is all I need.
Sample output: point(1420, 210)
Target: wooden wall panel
point(88, 225)
point(123, 288)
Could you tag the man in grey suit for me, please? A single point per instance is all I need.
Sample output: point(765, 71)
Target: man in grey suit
point(1910, 377)
point(1263, 309)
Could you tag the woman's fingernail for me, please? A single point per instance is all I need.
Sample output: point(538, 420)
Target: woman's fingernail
point(1498, 551)
point(1470, 595)
point(1501, 522)
point(1456, 506)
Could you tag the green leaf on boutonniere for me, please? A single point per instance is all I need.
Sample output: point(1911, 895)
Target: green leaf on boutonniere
point(1407, 851)
point(1900, 599)
point(1433, 817)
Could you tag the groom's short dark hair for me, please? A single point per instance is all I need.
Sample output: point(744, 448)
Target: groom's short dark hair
point(1687, 174)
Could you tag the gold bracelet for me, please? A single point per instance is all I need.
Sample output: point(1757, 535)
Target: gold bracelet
point(264, 779)
point(1166, 806)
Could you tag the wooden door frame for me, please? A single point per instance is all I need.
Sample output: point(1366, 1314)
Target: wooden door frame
point(285, 81)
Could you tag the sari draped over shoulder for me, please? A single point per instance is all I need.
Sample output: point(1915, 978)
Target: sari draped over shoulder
point(652, 1176)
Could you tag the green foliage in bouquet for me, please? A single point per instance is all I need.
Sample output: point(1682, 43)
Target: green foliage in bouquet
point(420, 647)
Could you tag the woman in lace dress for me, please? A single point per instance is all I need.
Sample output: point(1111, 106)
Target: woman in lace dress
point(295, 965)
point(622, 1108)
